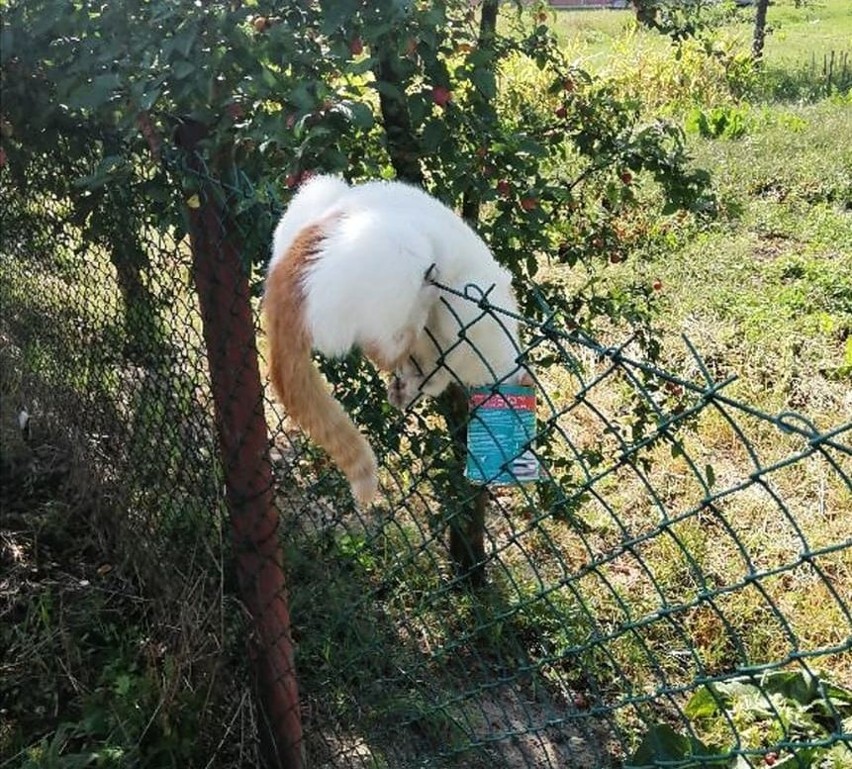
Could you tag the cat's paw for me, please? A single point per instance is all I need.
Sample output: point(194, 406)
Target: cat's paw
point(403, 391)
point(364, 488)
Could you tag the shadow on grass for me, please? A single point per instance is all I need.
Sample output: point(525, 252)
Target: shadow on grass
point(397, 662)
point(810, 81)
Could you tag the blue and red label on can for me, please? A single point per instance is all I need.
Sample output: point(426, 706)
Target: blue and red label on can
point(500, 432)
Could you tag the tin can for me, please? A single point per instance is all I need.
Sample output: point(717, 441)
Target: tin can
point(500, 432)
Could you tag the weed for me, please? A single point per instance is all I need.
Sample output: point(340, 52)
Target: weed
point(727, 122)
point(104, 664)
point(753, 714)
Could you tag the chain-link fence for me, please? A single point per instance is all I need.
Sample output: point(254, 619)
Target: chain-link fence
point(673, 590)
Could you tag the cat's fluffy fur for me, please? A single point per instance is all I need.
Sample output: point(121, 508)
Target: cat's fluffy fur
point(355, 267)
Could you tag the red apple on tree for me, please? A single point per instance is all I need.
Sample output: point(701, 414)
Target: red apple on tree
point(441, 95)
point(235, 111)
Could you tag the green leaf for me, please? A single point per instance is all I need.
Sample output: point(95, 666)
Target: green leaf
point(300, 97)
point(389, 89)
point(840, 696)
point(149, 99)
point(182, 42)
point(7, 43)
point(794, 685)
point(663, 744)
point(357, 113)
point(485, 82)
point(123, 684)
point(96, 94)
point(741, 688)
point(362, 65)
point(531, 146)
point(704, 703)
point(362, 115)
point(337, 14)
point(711, 475)
point(434, 135)
point(806, 689)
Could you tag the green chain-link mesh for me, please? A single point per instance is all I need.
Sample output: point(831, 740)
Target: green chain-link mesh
point(650, 601)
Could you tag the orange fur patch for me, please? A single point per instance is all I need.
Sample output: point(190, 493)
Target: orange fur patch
point(298, 384)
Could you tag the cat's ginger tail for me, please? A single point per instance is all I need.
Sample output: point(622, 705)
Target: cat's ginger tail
point(299, 386)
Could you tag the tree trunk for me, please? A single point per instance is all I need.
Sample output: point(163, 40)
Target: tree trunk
point(467, 520)
point(401, 142)
point(487, 33)
point(646, 13)
point(759, 31)
point(467, 516)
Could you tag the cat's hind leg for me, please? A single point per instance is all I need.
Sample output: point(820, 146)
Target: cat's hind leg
point(422, 372)
point(391, 354)
point(404, 386)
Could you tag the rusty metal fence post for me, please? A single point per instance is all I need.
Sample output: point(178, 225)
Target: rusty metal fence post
point(229, 333)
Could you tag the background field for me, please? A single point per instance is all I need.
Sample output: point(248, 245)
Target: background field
point(766, 289)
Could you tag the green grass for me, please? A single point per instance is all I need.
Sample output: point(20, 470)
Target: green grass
point(769, 285)
point(805, 46)
point(796, 34)
point(590, 35)
point(81, 680)
point(764, 290)
point(93, 672)
point(800, 34)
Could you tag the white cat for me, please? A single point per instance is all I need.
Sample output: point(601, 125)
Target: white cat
point(356, 267)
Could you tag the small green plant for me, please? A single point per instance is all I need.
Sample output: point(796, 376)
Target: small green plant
point(719, 122)
point(756, 715)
